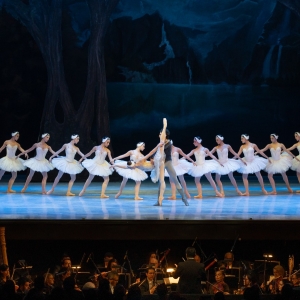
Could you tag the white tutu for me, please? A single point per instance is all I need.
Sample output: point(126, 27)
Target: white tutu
point(230, 165)
point(279, 166)
point(12, 164)
point(97, 168)
point(204, 168)
point(158, 160)
point(61, 164)
point(38, 165)
point(296, 164)
point(135, 173)
point(256, 165)
point(181, 168)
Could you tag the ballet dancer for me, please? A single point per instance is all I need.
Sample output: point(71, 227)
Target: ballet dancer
point(280, 163)
point(296, 161)
point(181, 167)
point(67, 164)
point(98, 166)
point(39, 163)
point(229, 165)
point(254, 163)
point(203, 167)
point(135, 174)
point(11, 163)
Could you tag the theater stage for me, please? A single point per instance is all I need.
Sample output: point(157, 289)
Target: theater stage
point(271, 210)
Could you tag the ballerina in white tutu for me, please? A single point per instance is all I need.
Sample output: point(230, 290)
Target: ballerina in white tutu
point(279, 164)
point(39, 163)
point(254, 163)
point(67, 164)
point(11, 163)
point(203, 167)
point(98, 166)
point(296, 161)
point(229, 165)
point(181, 167)
point(135, 174)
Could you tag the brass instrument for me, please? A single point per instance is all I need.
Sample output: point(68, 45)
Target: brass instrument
point(291, 265)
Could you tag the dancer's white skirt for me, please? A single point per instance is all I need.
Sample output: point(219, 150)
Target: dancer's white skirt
point(135, 173)
point(279, 166)
point(200, 170)
point(12, 164)
point(181, 168)
point(256, 165)
point(158, 161)
point(97, 168)
point(230, 165)
point(296, 164)
point(38, 165)
point(61, 164)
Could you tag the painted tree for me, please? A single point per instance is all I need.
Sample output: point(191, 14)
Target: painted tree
point(43, 18)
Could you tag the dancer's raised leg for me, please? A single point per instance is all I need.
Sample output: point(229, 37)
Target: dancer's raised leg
point(87, 183)
point(213, 184)
point(29, 177)
point(286, 180)
point(70, 184)
point(104, 186)
point(233, 181)
point(11, 182)
point(59, 175)
point(123, 183)
point(261, 182)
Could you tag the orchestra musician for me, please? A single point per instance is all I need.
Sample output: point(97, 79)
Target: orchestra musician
point(197, 258)
point(219, 285)
point(112, 265)
point(275, 286)
point(228, 262)
point(295, 279)
point(117, 290)
point(148, 285)
point(4, 271)
point(49, 283)
point(191, 274)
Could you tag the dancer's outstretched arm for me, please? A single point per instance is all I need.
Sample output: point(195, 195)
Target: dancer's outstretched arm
point(261, 153)
point(28, 150)
point(291, 148)
point(3, 146)
point(88, 154)
point(151, 152)
point(22, 150)
point(212, 156)
point(79, 152)
point(288, 151)
point(265, 149)
point(185, 156)
point(123, 156)
point(57, 152)
point(236, 154)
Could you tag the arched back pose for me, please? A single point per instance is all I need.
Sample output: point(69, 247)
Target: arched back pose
point(181, 167)
point(229, 165)
point(164, 157)
point(67, 164)
point(10, 163)
point(98, 166)
point(254, 163)
point(39, 163)
point(280, 163)
point(203, 167)
point(135, 174)
point(296, 161)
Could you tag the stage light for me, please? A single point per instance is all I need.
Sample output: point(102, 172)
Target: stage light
point(76, 267)
point(267, 255)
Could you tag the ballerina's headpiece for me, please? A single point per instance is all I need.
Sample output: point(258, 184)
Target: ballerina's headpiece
point(74, 136)
point(220, 137)
point(298, 133)
point(44, 135)
point(198, 139)
point(14, 133)
point(106, 138)
point(140, 144)
point(245, 136)
point(275, 135)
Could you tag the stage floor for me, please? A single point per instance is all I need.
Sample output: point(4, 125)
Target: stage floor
point(34, 206)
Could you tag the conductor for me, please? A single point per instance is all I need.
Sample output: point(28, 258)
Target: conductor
point(191, 274)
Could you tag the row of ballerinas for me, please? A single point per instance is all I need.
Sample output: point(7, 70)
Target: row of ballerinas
point(280, 161)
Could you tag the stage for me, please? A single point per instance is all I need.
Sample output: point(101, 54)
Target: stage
point(233, 212)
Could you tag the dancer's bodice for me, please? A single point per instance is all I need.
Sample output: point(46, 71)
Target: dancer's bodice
point(200, 156)
point(11, 151)
point(175, 158)
point(70, 153)
point(100, 155)
point(136, 156)
point(223, 154)
point(275, 153)
point(249, 153)
point(41, 153)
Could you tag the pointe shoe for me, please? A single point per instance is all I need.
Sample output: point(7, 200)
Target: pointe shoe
point(138, 198)
point(185, 202)
point(172, 198)
point(70, 194)
point(157, 204)
point(23, 190)
point(10, 191)
point(239, 193)
point(188, 196)
point(117, 196)
point(49, 192)
point(265, 192)
point(218, 194)
point(198, 197)
point(103, 196)
point(81, 193)
point(272, 193)
point(44, 193)
point(290, 191)
point(245, 194)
